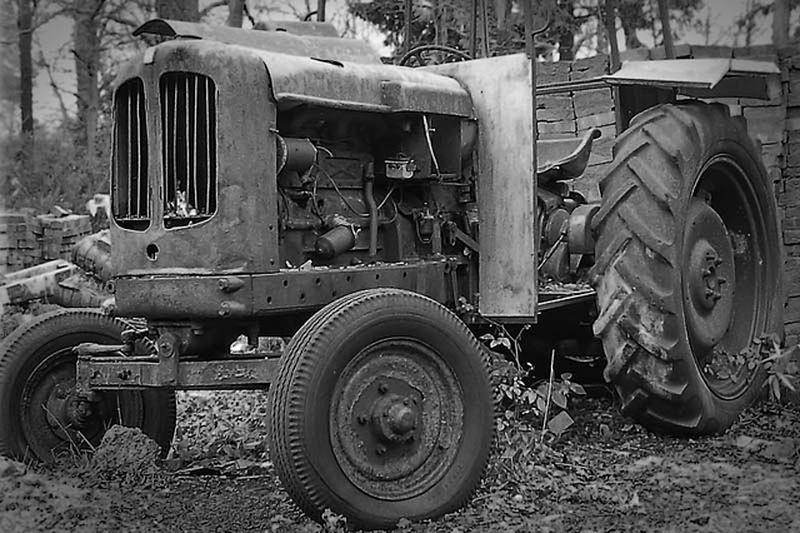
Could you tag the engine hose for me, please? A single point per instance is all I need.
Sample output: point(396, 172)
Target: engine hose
point(373, 217)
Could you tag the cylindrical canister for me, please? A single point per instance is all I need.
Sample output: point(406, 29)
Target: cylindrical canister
point(335, 241)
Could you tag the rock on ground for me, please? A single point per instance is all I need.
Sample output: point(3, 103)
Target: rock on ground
point(125, 454)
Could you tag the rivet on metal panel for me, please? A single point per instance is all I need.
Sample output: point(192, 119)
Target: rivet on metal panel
point(230, 284)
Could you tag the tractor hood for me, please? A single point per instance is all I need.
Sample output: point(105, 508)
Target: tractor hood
point(305, 39)
point(701, 78)
point(321, 70)
point(363, 87)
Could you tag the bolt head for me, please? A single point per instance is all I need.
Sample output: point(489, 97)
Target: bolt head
point(380, 450)
point(383, 388)
point(362, 419)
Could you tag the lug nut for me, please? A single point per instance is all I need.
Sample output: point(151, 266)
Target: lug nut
point(362, 419)
point(380, 450)
point(382, 388)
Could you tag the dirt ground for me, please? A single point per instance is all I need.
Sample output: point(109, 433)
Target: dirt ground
point(604, 474)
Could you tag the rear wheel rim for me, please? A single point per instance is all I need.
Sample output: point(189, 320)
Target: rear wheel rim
point(55, 420)
point(736, 285)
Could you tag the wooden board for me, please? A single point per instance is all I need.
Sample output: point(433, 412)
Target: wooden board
point(500, 88)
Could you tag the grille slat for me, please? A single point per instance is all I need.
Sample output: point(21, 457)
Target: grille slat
point(188, 121)
point(139, 97)
point(208, 115)
point(131, 189)
point(196, 140)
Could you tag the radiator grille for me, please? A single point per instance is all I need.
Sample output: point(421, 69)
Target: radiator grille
point(189, 147)
point(131, 188)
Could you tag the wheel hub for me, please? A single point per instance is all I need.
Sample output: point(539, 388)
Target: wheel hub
point(395, 419)
point(65, 410)
point(708, 276)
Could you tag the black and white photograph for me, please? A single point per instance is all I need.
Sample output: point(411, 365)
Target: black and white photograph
point(424, 266)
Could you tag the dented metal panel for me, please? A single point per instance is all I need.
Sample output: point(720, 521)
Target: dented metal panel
point(501, 89)
point(718, 77)
point(242, 234)
point(317, 45)
point(364, 87)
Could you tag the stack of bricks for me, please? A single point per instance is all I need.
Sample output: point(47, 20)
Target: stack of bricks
point(18, 245)
point(573, 113)
point(26, 240)
point(57, 235)
point(788, 193)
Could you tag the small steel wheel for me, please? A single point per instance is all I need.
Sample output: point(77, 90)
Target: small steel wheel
point(41, 414)
point(382, 410)
point(432, 54)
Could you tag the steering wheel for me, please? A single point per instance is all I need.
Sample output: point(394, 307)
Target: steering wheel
point(432, 54)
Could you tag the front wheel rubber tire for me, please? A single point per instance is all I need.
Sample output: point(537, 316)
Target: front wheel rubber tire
point(688, 268)
point(382, 410)
point(37, 400)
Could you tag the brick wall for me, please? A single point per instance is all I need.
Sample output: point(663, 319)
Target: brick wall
point(572, 113)
point(773, 123)
point(27, 240)
point(788, 190)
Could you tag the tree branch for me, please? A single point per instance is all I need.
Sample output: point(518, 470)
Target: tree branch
point(56, 90)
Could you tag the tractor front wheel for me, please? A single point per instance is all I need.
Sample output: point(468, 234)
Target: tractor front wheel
point(688, 268)
point(382, 410)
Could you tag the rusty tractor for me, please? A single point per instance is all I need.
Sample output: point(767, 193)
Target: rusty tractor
point(287, 183)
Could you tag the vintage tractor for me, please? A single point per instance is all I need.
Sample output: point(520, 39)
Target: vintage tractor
point(287, 183)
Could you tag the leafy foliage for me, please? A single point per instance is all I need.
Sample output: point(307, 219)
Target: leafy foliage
point(525, 428)
point(782, 367)
point(224, 425)
point(569, 24)
point(60, 174)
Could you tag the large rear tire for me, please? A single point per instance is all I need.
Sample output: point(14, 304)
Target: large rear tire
point(41, 416)
point(382, 410)
point(688, 268)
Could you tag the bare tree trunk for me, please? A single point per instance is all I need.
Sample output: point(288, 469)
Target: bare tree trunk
point(86, 49)
point(178, 10)
point(780, 22)
point(631, 39)
point(500, 9)
point(666, 29)
point(567, 37)
point(750, 23)
point(235, 13)
point(25, 27)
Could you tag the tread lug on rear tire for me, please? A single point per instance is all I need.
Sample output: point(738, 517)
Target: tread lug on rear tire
point(40, 415)
point(382, 410)
point(688, 267)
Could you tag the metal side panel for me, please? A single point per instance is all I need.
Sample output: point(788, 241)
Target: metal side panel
point(500, 88)
point(707, 78)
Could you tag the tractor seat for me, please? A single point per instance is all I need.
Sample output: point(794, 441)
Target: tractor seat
point(563, 159)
